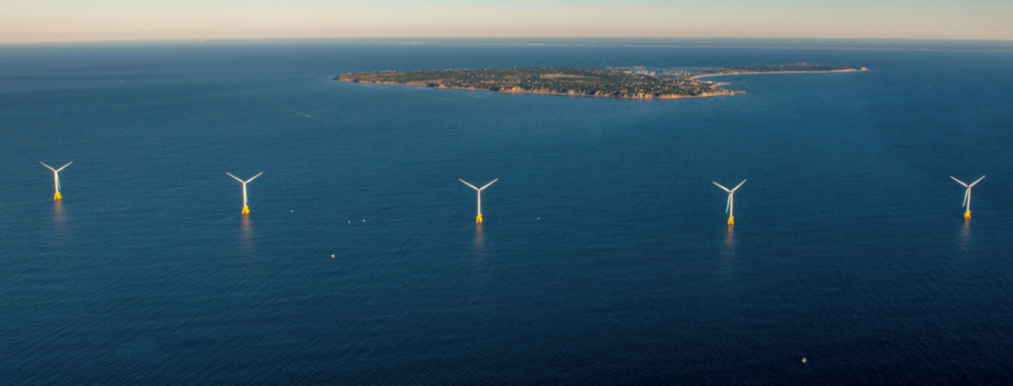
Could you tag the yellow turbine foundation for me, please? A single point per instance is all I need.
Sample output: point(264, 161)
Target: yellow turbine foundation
point(57, 197)
point(478, 220)
point(967, 215)
point(731, 220)
point(246, 210)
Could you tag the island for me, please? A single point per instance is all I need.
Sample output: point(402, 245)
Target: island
point(613, 82)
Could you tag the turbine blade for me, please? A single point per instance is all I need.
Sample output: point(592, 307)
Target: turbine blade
point(975, 182)
point(466, 183)
point(47, 166)
point(958, 181)
point(729, 204)
point(722, 187)
point(68, 164)
point(487, 185)
point(251, 179)
point(966, 194)
point(737, 186)
point(236, 178)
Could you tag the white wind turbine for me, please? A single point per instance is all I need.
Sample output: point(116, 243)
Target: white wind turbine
point(478, 219)
point(967, 195)
point(730, 209)
point(246, 209)
point(56, 178)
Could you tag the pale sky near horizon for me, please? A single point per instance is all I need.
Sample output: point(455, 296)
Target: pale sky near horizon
point(101, 20)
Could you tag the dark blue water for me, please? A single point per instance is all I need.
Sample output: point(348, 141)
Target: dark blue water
point(604, 257)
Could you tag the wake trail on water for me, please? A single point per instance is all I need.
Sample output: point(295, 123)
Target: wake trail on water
point(294, 111)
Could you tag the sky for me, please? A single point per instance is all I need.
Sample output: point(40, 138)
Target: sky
point(23, 21)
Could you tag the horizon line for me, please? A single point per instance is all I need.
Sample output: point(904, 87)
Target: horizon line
point(918, 43)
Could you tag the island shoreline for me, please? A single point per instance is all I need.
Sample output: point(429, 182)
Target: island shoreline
point(539, 92)
point(695, 77)
point(632, 83)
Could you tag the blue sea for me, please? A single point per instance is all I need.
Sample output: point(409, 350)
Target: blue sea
point(604, 257)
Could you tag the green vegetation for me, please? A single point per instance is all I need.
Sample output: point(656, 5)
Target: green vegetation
point(623, 82)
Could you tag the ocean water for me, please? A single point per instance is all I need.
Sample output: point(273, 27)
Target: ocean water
point(604, 257)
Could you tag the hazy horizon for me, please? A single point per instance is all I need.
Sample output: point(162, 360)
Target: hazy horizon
point(118, 20)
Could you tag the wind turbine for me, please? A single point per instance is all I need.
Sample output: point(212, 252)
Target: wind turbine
point(730, 209)
point(478, 220)
point(246, 208)
point(967, 195)
point(56, 178)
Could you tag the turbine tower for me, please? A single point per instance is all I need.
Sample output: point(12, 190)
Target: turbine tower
point(478, 220)
point(56, 178)
point(246, 208)
point(967, 195)
point(730, 208)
